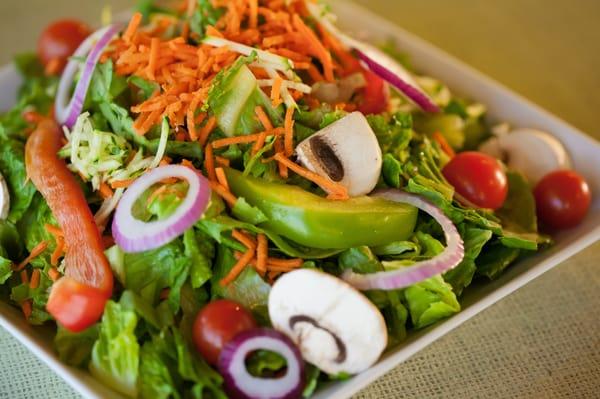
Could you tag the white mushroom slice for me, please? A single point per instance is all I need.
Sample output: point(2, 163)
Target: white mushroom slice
point(4, 199)
point(336, 327)
point(346, 152)
point(532, 152)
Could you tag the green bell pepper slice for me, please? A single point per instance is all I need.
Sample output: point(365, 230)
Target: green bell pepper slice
point(316, 222)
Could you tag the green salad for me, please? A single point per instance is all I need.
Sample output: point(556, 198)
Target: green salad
point(235, 199)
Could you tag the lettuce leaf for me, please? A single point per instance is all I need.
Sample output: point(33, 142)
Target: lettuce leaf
point(200, 250)
point(75, 349)
point(38, 296)
point(115, 356)
point(12, 167)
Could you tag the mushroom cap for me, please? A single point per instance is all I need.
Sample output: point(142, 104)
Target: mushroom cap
point(530, 151)
point(4, 199)
point(337, 308)
point(355, 145)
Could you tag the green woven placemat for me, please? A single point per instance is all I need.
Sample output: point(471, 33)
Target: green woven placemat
point(540, 342)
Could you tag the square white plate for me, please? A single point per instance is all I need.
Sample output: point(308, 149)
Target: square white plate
point(503, 105)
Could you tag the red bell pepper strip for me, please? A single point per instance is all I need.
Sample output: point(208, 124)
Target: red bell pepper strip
point(76, 300)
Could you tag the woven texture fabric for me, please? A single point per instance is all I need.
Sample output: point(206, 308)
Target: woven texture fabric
point(540, 342)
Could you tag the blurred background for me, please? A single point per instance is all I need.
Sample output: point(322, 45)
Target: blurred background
point(541, 341)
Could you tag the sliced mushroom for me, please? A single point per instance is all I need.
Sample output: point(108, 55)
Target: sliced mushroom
point(340, 91)
point(532, 152)
point(4, 199)
point(346, 152)
point(336, 327)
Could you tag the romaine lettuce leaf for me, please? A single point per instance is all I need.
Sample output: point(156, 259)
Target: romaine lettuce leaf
point(12, 167)
point(115, 356)
point(38, 296)
point(199, 248)
point(32, 228)
point(75, 349)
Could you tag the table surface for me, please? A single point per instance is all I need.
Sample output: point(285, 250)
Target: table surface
point(541, 341)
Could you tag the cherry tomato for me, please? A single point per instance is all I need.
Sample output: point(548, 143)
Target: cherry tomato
point(218, 323)
point(562, 199)
point(479, 178)
point(60, 40)
point(78, 301)
point(375, 94)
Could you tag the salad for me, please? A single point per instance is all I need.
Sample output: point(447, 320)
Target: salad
point(236, 199)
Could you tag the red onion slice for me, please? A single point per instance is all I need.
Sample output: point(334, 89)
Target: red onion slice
point(134, 235)
point(378, 62)
point(452, 255)
point(240, 384)
point(67, 113)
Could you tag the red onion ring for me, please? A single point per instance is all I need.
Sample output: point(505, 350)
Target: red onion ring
point(134, 235)
point(452, 255)
point(378, 62)
point(240, 384)
point(67, 113)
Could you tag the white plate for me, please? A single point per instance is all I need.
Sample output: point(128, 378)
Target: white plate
point(503, 105)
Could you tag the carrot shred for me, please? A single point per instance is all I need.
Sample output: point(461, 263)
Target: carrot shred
point(154, 46)
point(105, 191)
point(35, 279)
point(260, 142)
point(134, 23)
point(58, 251)
point(280, 149)
point(263, 118)
point(53, 273)
point(24, 277)
point(253, 19)
point(262, 253)
point(276, 92)
point(221, 178)
point(238, 267)
point(248, 241)
point(222, 161)
point(289, 131)
point(223, 193)
point(35, 252)
point(316, 46)
point(209, 163)
point(55, 231)
point(441, 140)
point(336, 191)
point(250, 138)
point(207, 130)
point(288, 263)
point(122, 183)
point(27, 309)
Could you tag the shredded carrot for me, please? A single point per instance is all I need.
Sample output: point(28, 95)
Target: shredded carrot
point(276, 91)
point(289, 131)
point(260, 142)
point(250, 138)
point(105, 191)
point(155, 194)
point(238, 267)
point(134, 23)
point(53, 67)
point(58, 251)
point(24, 277)
point(26, 307)
point(223, 193)
point(53, 273)
point(35, 279)
point(244, 238)
point(209, 163)
point(317, 48)
point(35, 252)
point(253, 13)
point(55, 231)
point(207, 130)
point(222, 161)
point(335, 190)
point(122, 183)
point(289, 263)
point(221, 178)
point(262, 253)
point(441, 140)
point(280, 148)
point(154, 46)
point(263, 118)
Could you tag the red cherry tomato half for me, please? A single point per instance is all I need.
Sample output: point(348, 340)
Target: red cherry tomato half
point(60, 40)
point(218, 323)
point(75, 305)
point(479, 178)
point(375, 94)
point(562, 199)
